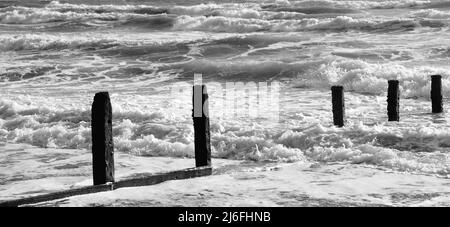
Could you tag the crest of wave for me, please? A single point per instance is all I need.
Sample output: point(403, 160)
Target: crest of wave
point(47, 41)
point(352, 4)
point(243, 9)
point(340, 23)
point(363, 77)
point(431, 13)
point(21, 15)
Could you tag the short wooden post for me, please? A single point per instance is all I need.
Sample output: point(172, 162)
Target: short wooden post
point(337, 93)
point(102, 139)
point(202, 135)
point(393, 100)
point(436, 94)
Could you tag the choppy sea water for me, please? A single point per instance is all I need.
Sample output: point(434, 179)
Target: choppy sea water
point(56, 55)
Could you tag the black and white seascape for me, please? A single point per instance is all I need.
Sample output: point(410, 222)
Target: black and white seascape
point(268, 65)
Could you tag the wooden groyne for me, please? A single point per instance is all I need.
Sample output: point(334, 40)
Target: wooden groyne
point(102, 139)
point(436, 94)
point(393, 100)
point(338, 103)
point(103, 153)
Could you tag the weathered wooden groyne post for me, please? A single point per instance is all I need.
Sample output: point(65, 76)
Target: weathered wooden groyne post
point(338, 102)
point(102, 139)
point(200, 115)
point(393, 97)
point(436, 94)
point(103, 153)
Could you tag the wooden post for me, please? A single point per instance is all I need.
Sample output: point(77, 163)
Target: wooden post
point(337, 93)
point(202, 135)
point(102, 140)
point(393, 100)
point(436, 94)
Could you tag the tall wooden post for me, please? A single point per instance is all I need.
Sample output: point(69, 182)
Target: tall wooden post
point(202, 135)
point(337, 93)
point(102, 139)
point(393, 100)
point(436, 94)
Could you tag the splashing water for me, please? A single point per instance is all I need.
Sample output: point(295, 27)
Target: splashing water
point(56, 55)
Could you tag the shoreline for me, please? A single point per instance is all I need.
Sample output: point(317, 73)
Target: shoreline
point(234, 183)
point(51, 170)
point(289, 185)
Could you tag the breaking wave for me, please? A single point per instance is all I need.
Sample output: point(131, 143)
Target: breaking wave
point(219, 18)
point(154, 134)
point(340, 23)
point(53, 42)
point(202, 9)
point(431, 13)
point(370, 78)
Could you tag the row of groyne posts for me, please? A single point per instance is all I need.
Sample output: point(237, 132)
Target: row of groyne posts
point(393, 100)
point(103, 153)
point(103, 146)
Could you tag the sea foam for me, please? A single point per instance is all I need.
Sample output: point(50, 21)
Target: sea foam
point(338, 24)
point(431, 13)
point(157, 134)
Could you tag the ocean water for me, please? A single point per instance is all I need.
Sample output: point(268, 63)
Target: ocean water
point(55, 55)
